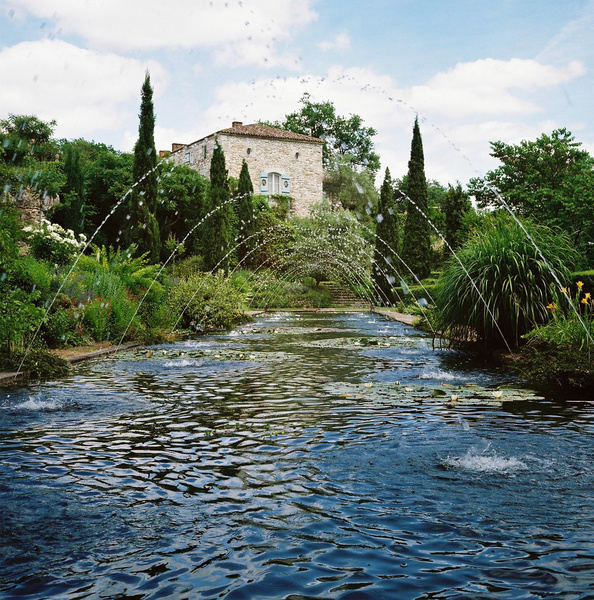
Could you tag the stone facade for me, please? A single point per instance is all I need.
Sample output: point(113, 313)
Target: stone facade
point(279, 161)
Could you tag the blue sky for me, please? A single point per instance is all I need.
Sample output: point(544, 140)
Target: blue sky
point(475, 71)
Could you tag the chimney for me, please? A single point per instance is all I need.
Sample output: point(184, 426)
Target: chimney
point(236, 124)
point(176, 147)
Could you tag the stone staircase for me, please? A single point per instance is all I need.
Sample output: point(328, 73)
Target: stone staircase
point(343, 297)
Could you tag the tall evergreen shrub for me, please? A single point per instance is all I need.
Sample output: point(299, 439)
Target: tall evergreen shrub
point(219, 226)
point(416, 245)
point(386, 242)
point(145, 229)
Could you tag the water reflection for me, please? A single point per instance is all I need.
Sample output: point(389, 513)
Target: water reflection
point(225, 466)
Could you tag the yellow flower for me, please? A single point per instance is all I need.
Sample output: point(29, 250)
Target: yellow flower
point(580, 284)
point(552, 306)
point(564, 290)
point(584, 300)
point(587, 295)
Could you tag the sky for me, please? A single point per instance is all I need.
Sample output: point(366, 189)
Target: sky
point(474, 71)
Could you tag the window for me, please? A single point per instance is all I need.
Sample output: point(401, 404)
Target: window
point(274, 183)
point(203, 149)
point(188, 157)
point(248, 151)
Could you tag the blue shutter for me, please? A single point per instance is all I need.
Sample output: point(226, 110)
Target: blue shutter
point(264, 183)
point(286, 185)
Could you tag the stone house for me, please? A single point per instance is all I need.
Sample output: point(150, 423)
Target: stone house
point(279, 161)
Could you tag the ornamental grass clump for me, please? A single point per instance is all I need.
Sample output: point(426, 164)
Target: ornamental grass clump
point(501, 285)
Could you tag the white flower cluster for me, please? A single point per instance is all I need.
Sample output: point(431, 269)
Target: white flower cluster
point(57, 233)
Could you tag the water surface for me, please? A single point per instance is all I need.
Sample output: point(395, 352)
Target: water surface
point(265, 463)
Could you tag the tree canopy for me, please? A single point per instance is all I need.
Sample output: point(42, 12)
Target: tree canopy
point(344, 136)
point(550, 179)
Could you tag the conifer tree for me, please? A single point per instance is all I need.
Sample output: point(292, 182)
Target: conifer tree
point(416, 245)
point(145, 230)
point(456, 205)
point(244, 209)
point(219, 225)
point(386, 242)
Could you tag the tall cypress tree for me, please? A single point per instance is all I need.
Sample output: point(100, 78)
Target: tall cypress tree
point(144, 197)
point(386, 242)
point(456, 205)
point(219, 225)
point(244, 210)
point(416, 245)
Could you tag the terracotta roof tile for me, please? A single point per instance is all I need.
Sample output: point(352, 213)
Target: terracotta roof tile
point(265, 131)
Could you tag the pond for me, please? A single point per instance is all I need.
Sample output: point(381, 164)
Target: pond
point(303, 456)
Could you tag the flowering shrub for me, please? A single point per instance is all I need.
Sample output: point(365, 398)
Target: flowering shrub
point(51, 242)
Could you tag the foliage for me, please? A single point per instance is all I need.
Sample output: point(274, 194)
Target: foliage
point(37, 362)
point(328, 245)
point(269, 290)
point(386, 242)
point(456, 206)
point(416, 247)
point(69, 213)
point(501, 287)
point(26, 139)
point(145, 229)
point(49, 241)
point(244, 213)
point(273, 235)
point(562, 352)
point(19, 319)
point(107, 177)
point(181, 204)
point(350, 188)
point(218, 229)
point(343, 135)
point(205, 300)
point(550, 179)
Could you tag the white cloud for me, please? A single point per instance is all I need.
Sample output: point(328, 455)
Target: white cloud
point(340, 42)
point(83, 90)
point(485, 87)
point(238, 29)
point(461, 110)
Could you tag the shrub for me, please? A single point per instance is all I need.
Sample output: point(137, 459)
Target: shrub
point(561, 352)
point(64, 327)
point(19, 319)
point(205, 300)
point(511, 283)
point(97, 319)
point(49, 241)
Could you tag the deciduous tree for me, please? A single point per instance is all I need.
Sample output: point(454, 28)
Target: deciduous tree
point(550, 179)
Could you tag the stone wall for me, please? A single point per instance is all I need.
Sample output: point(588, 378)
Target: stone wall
point(301, 161)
